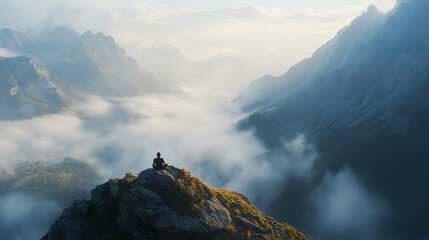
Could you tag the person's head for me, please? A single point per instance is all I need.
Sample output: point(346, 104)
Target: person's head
point(158, 154)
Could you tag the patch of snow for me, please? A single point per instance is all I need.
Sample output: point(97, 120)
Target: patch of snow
point(14, 91)
point(5, 52)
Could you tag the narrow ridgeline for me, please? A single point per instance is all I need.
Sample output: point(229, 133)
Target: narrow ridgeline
point(167, 204)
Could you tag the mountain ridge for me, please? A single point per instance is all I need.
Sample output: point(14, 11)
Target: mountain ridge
point(73, 66)
point(72, 57)
point(330, 56)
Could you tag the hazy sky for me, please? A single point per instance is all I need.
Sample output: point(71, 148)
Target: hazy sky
point(279, 31)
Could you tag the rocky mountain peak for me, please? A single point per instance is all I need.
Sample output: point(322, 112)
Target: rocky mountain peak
point(373, 10)
point(167, 204)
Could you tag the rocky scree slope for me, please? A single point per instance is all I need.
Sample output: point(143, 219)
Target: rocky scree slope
point(167, 204)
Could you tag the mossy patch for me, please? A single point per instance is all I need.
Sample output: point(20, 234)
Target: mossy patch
point(240, 207)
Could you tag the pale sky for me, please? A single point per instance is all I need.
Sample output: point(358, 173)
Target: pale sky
point(271, 34)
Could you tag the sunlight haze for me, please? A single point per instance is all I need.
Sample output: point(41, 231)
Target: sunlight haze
point(281, 32)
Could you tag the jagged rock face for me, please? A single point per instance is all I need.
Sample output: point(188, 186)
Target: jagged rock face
point(213, 215)
point(167, 204)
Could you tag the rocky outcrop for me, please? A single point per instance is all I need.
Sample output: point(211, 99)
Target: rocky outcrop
point(167, 204)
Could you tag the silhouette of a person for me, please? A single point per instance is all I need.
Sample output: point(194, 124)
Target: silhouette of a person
point(158, 163)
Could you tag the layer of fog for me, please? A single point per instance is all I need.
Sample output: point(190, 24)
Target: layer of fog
point(196, 131)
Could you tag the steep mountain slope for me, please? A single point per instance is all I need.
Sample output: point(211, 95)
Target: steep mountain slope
point(362, 101)
point(28, 89)
point(334, 55)
point(167, 204)
point(120, 72)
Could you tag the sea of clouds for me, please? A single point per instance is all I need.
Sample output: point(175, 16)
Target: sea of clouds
point(195, 130)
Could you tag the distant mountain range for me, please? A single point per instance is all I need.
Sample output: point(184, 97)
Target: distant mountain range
point(53, 65)
point(362, 100)
point(170, 63)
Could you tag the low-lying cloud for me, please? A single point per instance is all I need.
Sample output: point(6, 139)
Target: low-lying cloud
point(265, 180)
point(195, 131)
point(345, 209)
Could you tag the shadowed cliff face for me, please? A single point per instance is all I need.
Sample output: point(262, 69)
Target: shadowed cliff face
point(363, 104)
point(167, 204)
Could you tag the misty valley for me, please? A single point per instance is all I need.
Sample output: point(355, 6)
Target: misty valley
point(335, 148)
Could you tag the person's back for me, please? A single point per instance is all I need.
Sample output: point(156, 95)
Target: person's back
point(158, 163)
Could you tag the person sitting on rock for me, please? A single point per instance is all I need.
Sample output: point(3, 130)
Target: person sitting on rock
point(158, 163)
